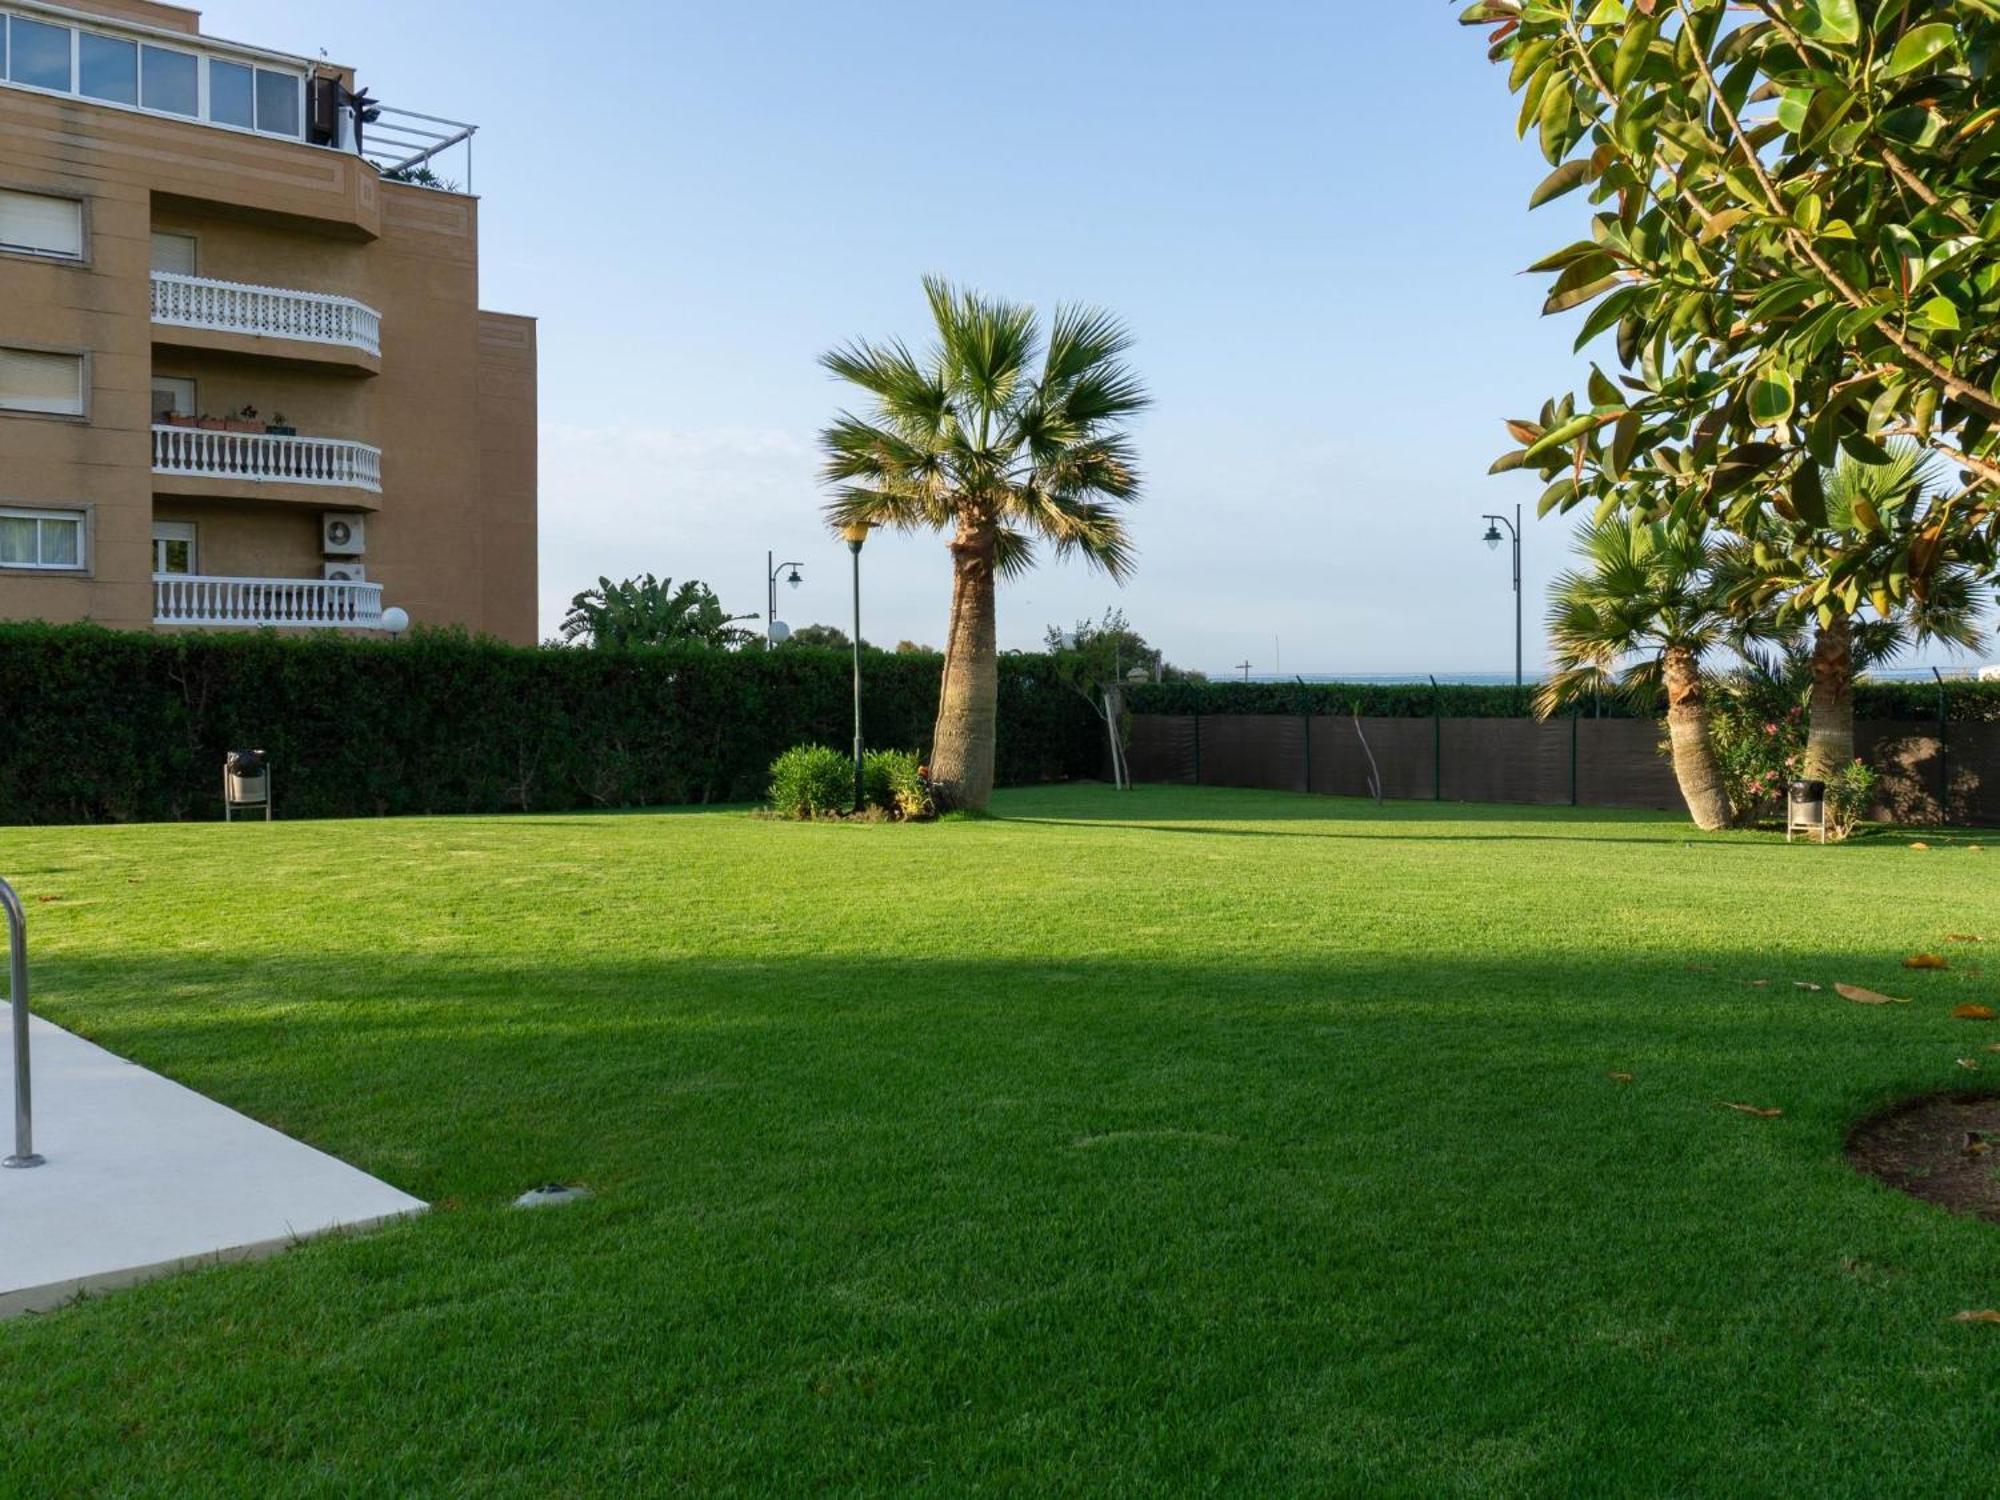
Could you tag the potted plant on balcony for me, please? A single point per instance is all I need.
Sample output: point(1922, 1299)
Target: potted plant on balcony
point(279, 427)
point(178, 418)
point(209, 424)
point(244, 420)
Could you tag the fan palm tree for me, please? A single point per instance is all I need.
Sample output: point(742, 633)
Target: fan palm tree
point(1878, 517)
point(1637, 618)
point(650, 611)
point(1005, 441)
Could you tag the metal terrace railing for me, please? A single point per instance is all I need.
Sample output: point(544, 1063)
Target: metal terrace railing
point(409, 147)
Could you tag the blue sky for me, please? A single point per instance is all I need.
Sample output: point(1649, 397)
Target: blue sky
point(1312, 215)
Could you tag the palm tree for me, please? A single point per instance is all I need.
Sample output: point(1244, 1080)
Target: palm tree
point(1639, 616)
point(1005, 442)
point(650, 611)
point(1877, 517)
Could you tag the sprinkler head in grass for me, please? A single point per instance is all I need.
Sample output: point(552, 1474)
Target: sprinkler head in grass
point(550, 1195)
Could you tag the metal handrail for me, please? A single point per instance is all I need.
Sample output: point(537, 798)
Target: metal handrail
point(24, 1104)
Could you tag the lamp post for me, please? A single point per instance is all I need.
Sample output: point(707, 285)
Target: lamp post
point(771, 581)
point(1493, 540)
point(856, 534)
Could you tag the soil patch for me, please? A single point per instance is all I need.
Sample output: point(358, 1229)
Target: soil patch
point(1944, 1149)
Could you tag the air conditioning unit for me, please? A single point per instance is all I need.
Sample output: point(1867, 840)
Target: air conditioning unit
point(343, 533)
point(343, 572)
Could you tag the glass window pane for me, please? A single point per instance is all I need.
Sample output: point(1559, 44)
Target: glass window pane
point(40, 56)
point(107, 68)
point(229, 94)
point(175, 557)
point(277, 103)
point(17, 540)
point(60, 541)
point(169, 81)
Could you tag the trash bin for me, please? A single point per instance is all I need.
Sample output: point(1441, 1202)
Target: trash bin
point(246, 783)
point(1805, 809)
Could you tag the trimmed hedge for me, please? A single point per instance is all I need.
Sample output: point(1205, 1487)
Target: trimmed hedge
point(1966, 702)
point(100, 725)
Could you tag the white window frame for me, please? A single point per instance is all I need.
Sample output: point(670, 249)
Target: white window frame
point(82, 358)
point(193, 408)
point(44, 514)
point(143, 39)
point(165, 532)
point(60, 257)
point(194, 243)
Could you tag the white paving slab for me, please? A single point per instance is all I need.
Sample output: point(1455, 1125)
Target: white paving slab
point(146, 1177)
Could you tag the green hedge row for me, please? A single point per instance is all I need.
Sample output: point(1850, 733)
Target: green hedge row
point(1965, 702)
point(103, 725)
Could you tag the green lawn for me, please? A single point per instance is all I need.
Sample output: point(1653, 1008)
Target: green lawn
point(1195, 1142)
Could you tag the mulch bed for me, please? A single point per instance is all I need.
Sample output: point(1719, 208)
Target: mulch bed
point(1944, 1149)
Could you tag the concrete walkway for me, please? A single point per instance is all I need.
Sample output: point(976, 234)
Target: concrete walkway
point(145, 1177)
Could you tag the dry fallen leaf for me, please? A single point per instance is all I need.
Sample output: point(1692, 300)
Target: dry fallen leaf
point(1976, 1144)
point(1860, 996)
point(1807, 984)
point(1983, 1315)
point(1760, 984)
point(1975, 1013)
point(1971, 1065)
point(1962, 937)
point(1925, 961)
point(1920, 845)
point(1619, 1077)
point(1751, 1109)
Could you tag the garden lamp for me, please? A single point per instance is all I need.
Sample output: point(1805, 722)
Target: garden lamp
point(855, 534)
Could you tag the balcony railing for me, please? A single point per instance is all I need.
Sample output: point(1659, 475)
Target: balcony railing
point(263, 457)
point(265, 311)
point(281, 603)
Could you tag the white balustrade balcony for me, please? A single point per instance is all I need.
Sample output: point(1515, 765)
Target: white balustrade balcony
point(263, 457)
point(280, 603)
point(265, 311)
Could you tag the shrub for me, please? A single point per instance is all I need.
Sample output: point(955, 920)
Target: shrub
point(893, 780)
point(127, 726)
point(810, 781)
point(1850, 793)
point(1759, 728)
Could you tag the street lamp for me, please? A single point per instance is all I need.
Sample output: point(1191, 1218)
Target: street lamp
point(856, 534)
point(1493, 540)
point(771, 635)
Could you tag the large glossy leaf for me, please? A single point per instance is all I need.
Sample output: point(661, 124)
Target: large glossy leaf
point(1920, 45)
point(1828, 20)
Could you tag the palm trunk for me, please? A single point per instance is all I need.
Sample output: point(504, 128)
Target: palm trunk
point(969, 698)
point(1695, 766)
point(1830, 734)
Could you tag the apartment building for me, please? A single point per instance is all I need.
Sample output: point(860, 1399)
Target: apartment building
point(245, 380)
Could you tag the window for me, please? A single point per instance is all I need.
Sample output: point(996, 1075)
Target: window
point(40, 225)
point(170, 81)
point(142, 74)
point(47, 540)
point(175, 253)
point(173, 547)
point(107, 68)
point(36, 382)
point(173, 396)
point(278, 107)
point(231, 100)
point(40, 55)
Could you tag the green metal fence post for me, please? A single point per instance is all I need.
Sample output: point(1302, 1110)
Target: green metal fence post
point(1197, 749)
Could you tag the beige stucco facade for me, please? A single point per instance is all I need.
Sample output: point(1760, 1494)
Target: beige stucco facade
point(449, 401)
